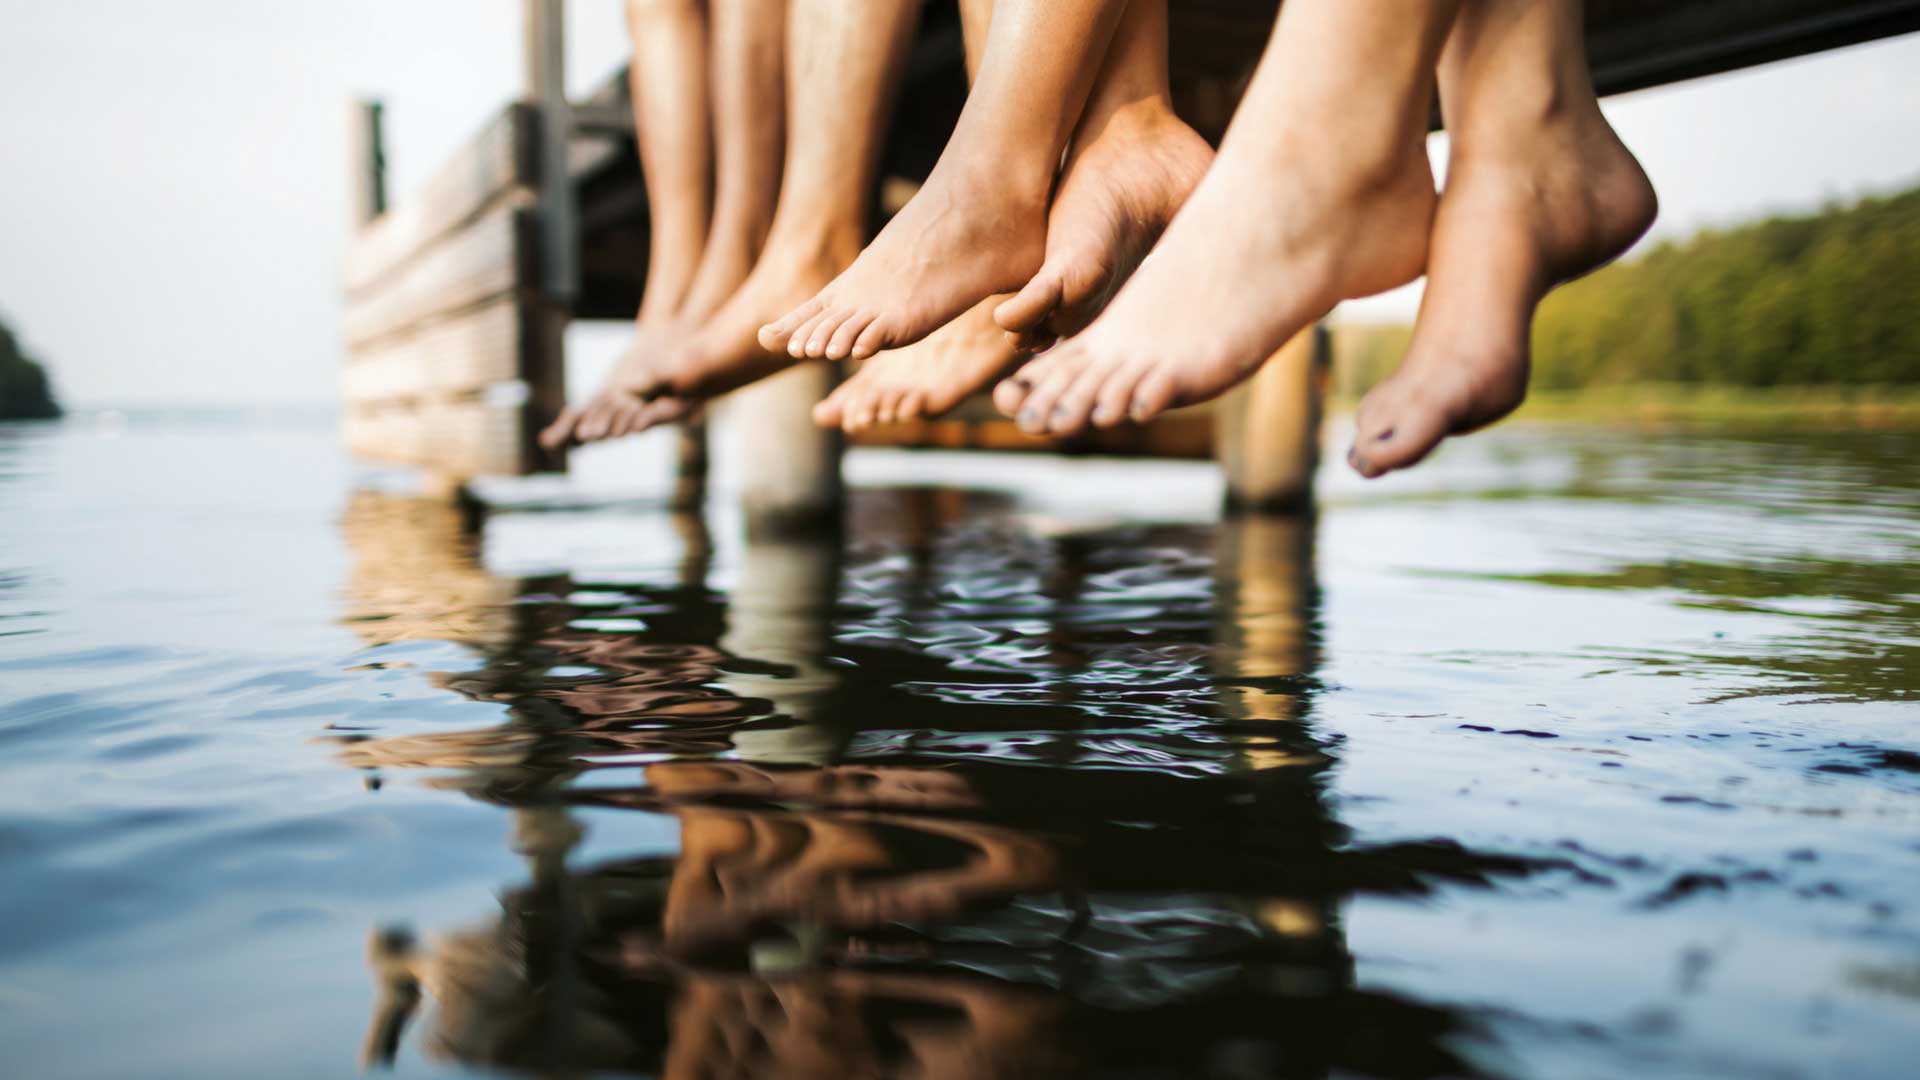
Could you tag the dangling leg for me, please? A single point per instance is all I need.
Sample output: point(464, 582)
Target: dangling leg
point(844, 61)
point(1539, 191)
point(669, 87)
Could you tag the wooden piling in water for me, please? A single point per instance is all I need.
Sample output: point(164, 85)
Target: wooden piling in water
point(789, 466)
point(1267, 430)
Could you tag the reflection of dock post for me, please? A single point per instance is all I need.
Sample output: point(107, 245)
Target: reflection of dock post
point(1267, 435)
point(1267, 595)
point(781, 613)
point(789, 466)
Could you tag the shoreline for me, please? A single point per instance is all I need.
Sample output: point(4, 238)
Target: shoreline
point(1792, 408)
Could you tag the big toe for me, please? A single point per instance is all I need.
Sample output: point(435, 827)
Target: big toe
point(1394, 430)
point(1030, 307)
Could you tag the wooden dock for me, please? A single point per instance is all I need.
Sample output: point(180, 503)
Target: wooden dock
point(458, 297)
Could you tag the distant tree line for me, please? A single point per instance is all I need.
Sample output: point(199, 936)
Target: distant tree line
point(1825, 299)
point(25, 393)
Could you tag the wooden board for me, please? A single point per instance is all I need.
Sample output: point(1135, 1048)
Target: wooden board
point(456, 439)
point(498, 159)
point(446, 357)
point(488, 259)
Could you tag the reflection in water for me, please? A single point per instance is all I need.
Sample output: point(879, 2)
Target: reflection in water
point(983, 804)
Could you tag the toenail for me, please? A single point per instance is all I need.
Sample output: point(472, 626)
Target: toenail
point(1139, 413)
point(1030, 419)
point(1103, 416)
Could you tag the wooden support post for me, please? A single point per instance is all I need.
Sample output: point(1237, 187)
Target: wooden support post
point(546, 89)
point(1267, 437)
point(790, 466)
point(368, 160)
point(556, 281)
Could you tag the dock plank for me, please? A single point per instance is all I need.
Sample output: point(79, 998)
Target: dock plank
point(457, 354)
point(490, 258)
point(498, 159)
point(450, 438)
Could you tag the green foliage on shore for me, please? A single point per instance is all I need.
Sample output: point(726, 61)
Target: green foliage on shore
point(1826, 299)
point(25, 393)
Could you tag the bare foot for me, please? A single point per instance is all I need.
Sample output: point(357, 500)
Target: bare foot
point(926, 378)
point(614, 405)
point(1281, 229)
point(969, 233)
point(723, 354)
point(1120, 189)
point(1534, 207)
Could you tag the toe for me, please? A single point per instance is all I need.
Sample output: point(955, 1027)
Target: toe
point(1070, 411)
point(822, 331)
point(1393, 435)
point(840, 346)
point(830, 410)
point(622, 418)
point(775, 335)
point(1081, 296)
point(560, 432)
point(860, 414)
point(1031, 306)
point(664, 410)
point(1039, 406)
point(1013, 391)
point(1154, 395)
point(912, 406)
point(1115, 394)
point(878, 335)
point(593, 422)
point(803, 333)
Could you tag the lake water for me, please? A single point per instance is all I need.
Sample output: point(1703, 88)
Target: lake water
point(1575, 753)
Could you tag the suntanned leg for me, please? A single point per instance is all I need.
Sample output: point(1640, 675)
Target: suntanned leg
point(978, 225)
point(748, 46)
point(669, 86)
point(1321, 191)
point(1539, 191)
point(1131, 167)
point(844, 61)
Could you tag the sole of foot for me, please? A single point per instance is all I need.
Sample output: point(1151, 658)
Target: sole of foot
point(1116, 196)
point(1520, 216)
point(958, 241)
point(924, 379)
point(1267, 244)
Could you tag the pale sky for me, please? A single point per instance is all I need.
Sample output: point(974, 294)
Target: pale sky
point(173, 202)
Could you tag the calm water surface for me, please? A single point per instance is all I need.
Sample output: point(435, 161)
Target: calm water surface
point(1576, 753)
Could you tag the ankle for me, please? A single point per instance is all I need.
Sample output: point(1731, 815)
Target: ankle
point(828, 238)
point(1141, 118)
